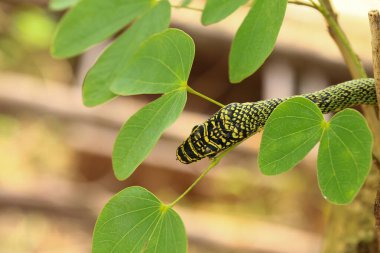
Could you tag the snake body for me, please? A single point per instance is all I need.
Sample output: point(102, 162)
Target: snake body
point(237, 121)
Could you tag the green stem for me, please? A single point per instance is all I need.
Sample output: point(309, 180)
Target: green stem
point(352, 60)
point(354, 65)
point(296, 2)
point(192, 91)
point(314, 4)
point(187, 7)
point(214, 162)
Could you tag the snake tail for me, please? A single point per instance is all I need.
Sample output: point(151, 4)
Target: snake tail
point(237, 121)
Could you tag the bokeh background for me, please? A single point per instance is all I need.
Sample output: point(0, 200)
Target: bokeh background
point(55, 166)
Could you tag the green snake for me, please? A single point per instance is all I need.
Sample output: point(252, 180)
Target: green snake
point(237, 121)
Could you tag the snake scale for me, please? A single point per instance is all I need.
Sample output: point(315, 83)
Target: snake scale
point(237, 121)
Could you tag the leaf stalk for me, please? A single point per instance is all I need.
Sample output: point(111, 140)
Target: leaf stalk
point(214, 162)
point(194, 92)
point(187, 7)
point(302, 3)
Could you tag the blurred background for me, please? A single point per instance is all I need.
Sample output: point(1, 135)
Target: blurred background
point(55, 166)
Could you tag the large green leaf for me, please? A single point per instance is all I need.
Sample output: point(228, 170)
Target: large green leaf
point(135, 221)
point(58, 5)
point(344, 157)
point(112, 63)
point(256, 37)
point(291, 131)
point(141, 132)
point(217, 10)
point(162, 64)
point(92, 21)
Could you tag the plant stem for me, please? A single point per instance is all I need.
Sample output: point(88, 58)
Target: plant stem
point(214, 162)
point(352, 60)
point(374, 23)
point(192, 91)
point(187, 7)
point(361, 218)
point(296, 2)
point(354, 65)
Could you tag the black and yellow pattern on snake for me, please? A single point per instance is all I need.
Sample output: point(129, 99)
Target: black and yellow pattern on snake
point(238, 121)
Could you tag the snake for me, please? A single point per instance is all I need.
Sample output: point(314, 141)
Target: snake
point(236, 122)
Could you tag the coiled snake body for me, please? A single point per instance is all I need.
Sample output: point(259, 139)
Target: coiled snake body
point(238, 121)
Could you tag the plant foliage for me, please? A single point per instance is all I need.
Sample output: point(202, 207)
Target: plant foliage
point(85, 25)
point(255, 38)
point(135, 221)
point(149, 58)
point(112, 65)
point(344, 155)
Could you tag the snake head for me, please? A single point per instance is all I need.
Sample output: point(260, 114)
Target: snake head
point(207, 139)
point(196, 146)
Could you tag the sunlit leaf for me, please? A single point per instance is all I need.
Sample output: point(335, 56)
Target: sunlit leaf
point(141, 132)
point(291, 131)
point(91, 21)
point(344, 157)
point(217, 10)
point(135, 221)
point(256, 37)
point(162, 64)
point(112, 63)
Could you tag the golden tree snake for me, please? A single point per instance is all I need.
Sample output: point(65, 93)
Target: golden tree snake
point(237, 121)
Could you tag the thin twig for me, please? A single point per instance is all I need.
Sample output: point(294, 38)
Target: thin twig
point(374, 22)
point(214, 162)
point(354, 65)
point(187, 7)
point(352, 60)
point(194, 92)
point(297, 2)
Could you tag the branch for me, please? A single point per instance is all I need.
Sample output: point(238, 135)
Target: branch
point(354, 65)
point(374, 22)
point(187, 7)
point(357, 71)
point(351, 59)
point(302, 3)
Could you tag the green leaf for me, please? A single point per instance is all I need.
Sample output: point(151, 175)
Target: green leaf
point(135, 221)
point(217, 10)
point(92, 21)
point(162, 64)
point(255, 39)
point(58, 5)
point(291, 131)
point(344, 156)
point(113, 62)
point(141, 132)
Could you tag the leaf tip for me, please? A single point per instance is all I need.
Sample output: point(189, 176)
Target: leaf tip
point(120, 176)
point(205, 21)
point(234, 78)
